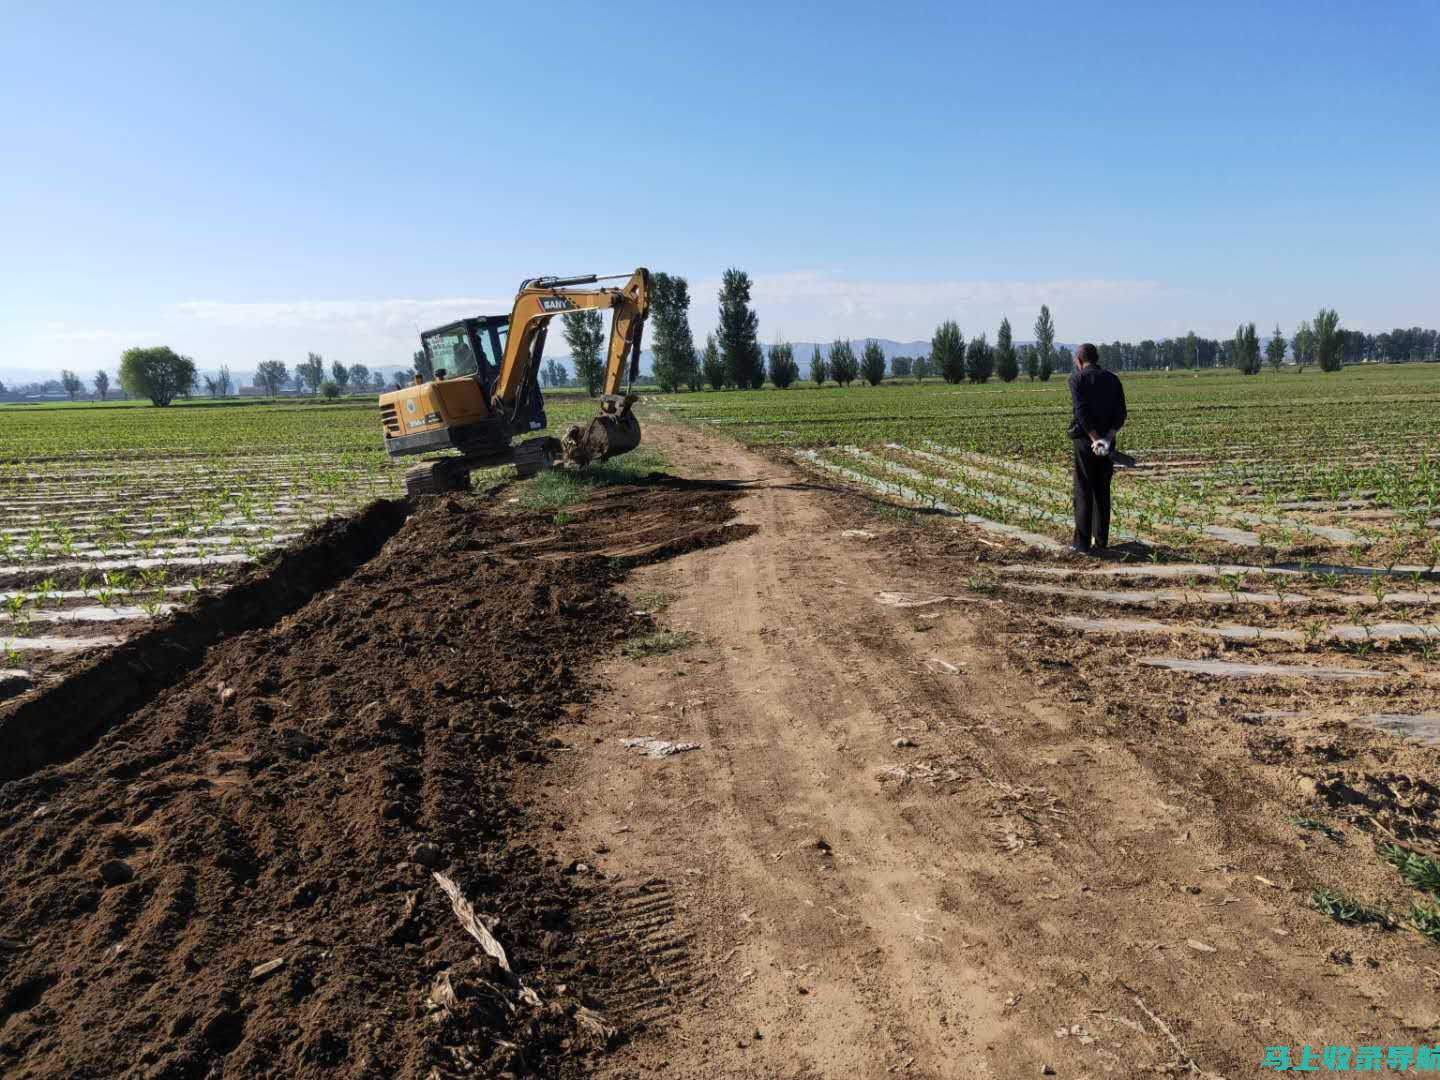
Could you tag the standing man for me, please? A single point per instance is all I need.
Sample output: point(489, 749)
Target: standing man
point(1097, 413)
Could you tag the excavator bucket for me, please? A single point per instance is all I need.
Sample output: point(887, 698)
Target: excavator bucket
point(614, 431)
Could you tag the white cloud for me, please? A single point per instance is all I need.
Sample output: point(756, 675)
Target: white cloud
point(358, 317)
point(100, 336)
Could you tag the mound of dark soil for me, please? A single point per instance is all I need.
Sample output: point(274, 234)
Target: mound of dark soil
point(236, 878)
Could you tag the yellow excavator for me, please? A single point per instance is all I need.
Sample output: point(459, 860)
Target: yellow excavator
point(486, 387)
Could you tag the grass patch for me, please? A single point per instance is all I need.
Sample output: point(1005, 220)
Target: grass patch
point(895, 512)
point(658, 643)
point(556, 488)
point(1348, 910)
point(652, 602)
point(1328, 831)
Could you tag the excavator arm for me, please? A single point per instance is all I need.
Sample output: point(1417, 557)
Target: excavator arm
point(615, 430)
point(541, 299)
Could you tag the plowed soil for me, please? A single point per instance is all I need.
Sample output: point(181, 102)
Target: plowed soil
point(219, 842)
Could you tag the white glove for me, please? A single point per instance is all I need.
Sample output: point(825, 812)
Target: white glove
point(1100, 448)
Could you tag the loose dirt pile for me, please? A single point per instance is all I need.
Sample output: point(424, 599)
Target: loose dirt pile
point(222, 861)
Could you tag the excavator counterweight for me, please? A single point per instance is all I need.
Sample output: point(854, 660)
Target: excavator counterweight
point(485, 387)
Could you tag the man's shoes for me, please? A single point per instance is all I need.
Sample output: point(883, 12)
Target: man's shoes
point(1079, 550)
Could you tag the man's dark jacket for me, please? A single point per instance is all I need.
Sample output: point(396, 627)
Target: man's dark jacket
point(1098, 402)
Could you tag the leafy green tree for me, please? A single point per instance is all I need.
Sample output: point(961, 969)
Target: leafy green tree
point(330, 388)
point(71, 382)
point(673, 348)
point(158, 373)
point(1328, 341)
point(694, 376)
point(843, 366)
point(1044, 343)
point(1275, 349)
point(737, 332)
point(1031, 358)
point(102, 384)
point(947, 351)
point(1007, 364)
point(311, 372)
point(713, 366)
point(420, 360)
point(922, 368)
point(1190, 354)
point(377, 382)
point(218, 385)
point(1064, 358)
point(819, 370)
point(902, 366)
point(979, 360)
point(272, 375)
point(783, 369)
point(359, 377)
point(1244, 349)
point(584, 336)
point(872, 362)
point(1302, 345)
point(340, 375)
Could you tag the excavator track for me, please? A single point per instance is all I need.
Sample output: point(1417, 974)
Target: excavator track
point(453, 474)
point(436, 477)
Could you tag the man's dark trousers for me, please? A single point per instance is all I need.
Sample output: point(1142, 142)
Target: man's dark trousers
point(1092, 497)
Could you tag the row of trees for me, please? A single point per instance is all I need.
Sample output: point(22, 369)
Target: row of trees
point(951, 356)
point(1321, 341)
point(161, 374)
point(733, 357)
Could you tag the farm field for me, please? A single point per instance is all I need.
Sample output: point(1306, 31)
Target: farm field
point(937, 785)
point(1304, 465)
point(114, 514)
point(1285, 519)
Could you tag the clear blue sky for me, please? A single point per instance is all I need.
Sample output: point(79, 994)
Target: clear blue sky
point(246, 181)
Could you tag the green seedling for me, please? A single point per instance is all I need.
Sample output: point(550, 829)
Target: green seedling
point(1348, 910)
point(1425, 919)
point(1328, 831)
point(1419, 871)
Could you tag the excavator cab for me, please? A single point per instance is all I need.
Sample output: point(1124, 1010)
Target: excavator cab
point(472, 347)
point(485, 387)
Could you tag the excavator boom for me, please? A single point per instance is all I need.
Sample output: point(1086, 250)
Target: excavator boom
point(615, 430)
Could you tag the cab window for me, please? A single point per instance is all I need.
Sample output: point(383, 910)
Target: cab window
point(451, 353)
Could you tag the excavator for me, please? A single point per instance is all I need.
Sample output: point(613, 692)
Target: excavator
point(486, 387)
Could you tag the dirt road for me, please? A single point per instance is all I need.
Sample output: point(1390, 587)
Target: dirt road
point(910, 846)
